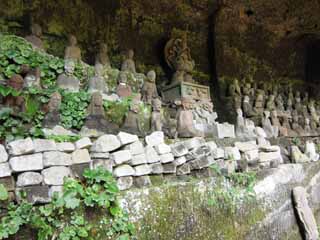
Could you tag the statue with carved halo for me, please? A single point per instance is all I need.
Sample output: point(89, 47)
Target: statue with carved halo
point(178, 57)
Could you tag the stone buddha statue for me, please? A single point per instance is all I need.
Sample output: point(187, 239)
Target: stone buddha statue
point(156, 117)
point(32, 78)
point(66, 80)
point(97, 83)
point(149, 89)
point(129, 64)
point(35, 37)
point(96, 118)
point(102, 56)
point(123, 90)
point(72, 52)
point(132, 121)
point(52, 118)
point(271, 103)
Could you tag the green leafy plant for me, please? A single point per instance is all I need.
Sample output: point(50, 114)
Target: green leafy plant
point(67, 218)
point(73, 109)
point(117, 111)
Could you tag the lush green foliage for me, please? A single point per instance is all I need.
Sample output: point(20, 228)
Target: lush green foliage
point(232, 189)
point(73, 109)
point(117, 111)
point(67, 218)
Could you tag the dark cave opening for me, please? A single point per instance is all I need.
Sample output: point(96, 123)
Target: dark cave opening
point(312, 66)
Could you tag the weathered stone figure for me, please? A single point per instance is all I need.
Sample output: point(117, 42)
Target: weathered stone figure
point(102, 56)
point(149, 90)
point(305, 214)
point(72, 52)
point(97, 83)
point(185, 124)
point(156, 118)
point(32, 79)
point(123, 90)
point(52, 118)
point(267, 126)
point(66, 80)
point(129, 64)
point(96, 118)
point(270, 106)
point(35, 37)
point(247, 107)
point(16, 82)
point(132, 121)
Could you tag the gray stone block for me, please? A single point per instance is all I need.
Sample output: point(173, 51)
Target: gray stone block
point(169, 168)
point(55, 175)
point(156, 168)
point(155, 139)
point(26, 163)
point(67, 147)
point(3, 154)
point(142, 170)
point(152, 155)
point(106, 143)
point(166, 158)
point(83, 143)
point(124, 183)
point(183, 170)
point(135, 148)
point(81, 156)
point(138, 160)
point(121, 157)
point(21, 147)
point(179, 149)
point(78, 170)
point(43, 145)
point(5, 170)
point(126, 138)
point(29, 179)
point(123, 171)
point(35, 194)
point(56, 159)
point(143, 181)
point(162, 149)
point(106, 164)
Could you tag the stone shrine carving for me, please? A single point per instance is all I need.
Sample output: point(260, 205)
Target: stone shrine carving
point(132, 121)
point(72, 52)
point(156, 118)
point(123, 89)
point(66, 80)
point(97, 83)
point(102, 56)
point(178, 57)
point(32, 78)
point(35, 37)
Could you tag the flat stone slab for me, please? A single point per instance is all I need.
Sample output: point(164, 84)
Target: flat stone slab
point(135, 148)
point(232, 153)
point(77, 170)
point(138, 160)
point(127, 138)
point(3, 154)
point(26, 163)
point(195, 142)
point(29, 179)
point(21, 147)
point(56, 159)
point(246, 146)
point(156, 168)
point(36, 194)
point(163, 149)
point(106, 143)
point(55, 175)
point(44, 145)
point(124, 171)
point(5, 170)
point(94, 155)
point(83, 143)
point(81, 156)
point(142, 181)
point(167, 158)
point(179, 149)
point(142, 170)
point(67, 147)
point(155, 139)
point(106, 164)
point(124, 183)
point(152, 155)
point(121, 157)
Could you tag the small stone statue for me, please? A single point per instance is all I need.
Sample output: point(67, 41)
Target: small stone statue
point(242, 128)
point(307, 127)
point(35, 37)
point(52, 118)
point(72, 52)
point(185, 125)
point(296, 127)
point(248, 90)
point(66, 80)
point(16, 82)
point(132, 121)
point(259, 103)
point(156, 118)
point(149, 90)
point(32, 79)
point(267, 126)
point(270, 106)
point(247, 107)
point(314, 115)
point(311, 152)
point(97, 83)
point(289, 105)
point(234, 88)
point(280, 103)
point(123, 90)
point(102, 56)
point(96, 118)
point(305, 214)
point(129, 64)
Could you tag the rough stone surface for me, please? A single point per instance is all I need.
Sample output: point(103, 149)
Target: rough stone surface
point(36, 194)
point(179, 161)
point(135, 148)
point(297, 156)
point(55, 175)
point(56, 159)
point(139, 160)
point(27, 163)
point(167, 158)
point(106, 143)
point(142, 181)
point(83, 143)
point(178, 149)
point(123, 171)
point(21, 147)
point(55, 189)
point(43, 145)
point(5, 170)
point(78, 170)
point(81, 156)
point(152, 155)
point(29, 179)
point(183, 170)
point(270, 157)
point(126, 138)
point(142, 170)
point(155, 139)
point(8, 183)
point(124, 183)
point(3, 154)
point(162, 148)
point(251, 156)
point(201, 163)
point(232, 153)
point(121, 157)
point(194, 143)
point(169, 168)
point(107, 164)
point(100, 155)
point(67, 147)
point(224, 130)
point(246, 146)
point(157, 168)
point(212, 145)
